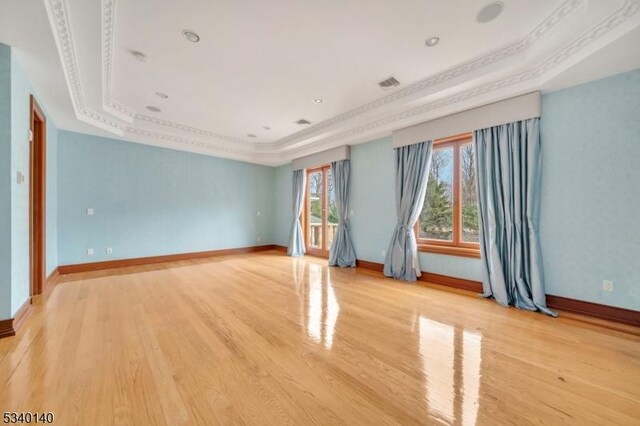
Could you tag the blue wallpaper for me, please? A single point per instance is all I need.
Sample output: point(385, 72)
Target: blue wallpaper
point(152, 201)
point(590, 227)
point(5, 182)
point(283, 187)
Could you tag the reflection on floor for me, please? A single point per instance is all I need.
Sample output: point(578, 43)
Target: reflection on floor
point(266, 339)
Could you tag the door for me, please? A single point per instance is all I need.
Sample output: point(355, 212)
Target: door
point(321, 218)
point(37, 198)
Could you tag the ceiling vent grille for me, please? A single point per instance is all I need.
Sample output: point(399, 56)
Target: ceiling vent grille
point(303, 122)
point(389, 83)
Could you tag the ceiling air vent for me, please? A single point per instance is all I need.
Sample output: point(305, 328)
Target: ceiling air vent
point(389, 83)
point(303, 122)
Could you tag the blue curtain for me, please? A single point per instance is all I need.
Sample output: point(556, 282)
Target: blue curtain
point(296, 239)
point(509, 171)
point(342, 253)
point(412, 173)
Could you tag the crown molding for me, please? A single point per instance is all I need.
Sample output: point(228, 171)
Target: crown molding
point(108, 41)
point(63, 35)
point(122, 120)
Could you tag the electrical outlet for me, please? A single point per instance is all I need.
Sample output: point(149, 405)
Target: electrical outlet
point(384, 253)
point(90, 252)
point(258, 213)
point(90, 211)
point(607, 285)
point(109, 250)
point(258, 239)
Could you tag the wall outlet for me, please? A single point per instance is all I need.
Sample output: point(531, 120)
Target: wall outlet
point(258, 239)
point(384, 253)
point(109, 250)
point(90, 211)
point(258, 213)
point(90, 252)
point(607, 285)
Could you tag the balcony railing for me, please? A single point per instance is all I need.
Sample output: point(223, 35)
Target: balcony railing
point(315, 234)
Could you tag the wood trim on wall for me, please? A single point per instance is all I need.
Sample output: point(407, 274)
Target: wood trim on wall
point(595, 310)
point(565, 304)
point(37, 195)
point(11, 326)
point(122, 263)
point(51, 280)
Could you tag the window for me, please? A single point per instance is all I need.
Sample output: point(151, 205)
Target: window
point(449, 220)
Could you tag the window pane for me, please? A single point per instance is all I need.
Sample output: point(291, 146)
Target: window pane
point(315, 210)
point(470, 233)
point(436, 220)
point(332, 213)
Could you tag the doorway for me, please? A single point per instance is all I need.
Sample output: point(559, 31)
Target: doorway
point(321, 216)
point(37, 196)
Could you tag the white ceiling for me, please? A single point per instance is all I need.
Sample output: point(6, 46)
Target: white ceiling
point(263, 63)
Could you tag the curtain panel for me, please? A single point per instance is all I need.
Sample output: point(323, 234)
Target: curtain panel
point(509, 173)
point(296, 238)
point(342, 253)
point(412, 173)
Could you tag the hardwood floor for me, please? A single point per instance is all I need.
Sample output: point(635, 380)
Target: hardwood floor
point(266, 339)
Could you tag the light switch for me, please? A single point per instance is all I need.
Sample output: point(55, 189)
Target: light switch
point(90, 211)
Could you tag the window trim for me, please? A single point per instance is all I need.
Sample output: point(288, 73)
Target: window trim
point(457, 247)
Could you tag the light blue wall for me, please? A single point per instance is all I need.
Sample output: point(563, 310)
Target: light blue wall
point(52, 197)
point(590, 226)
point(20, 104)
point(15, 92)
point(5, 182)
point(152, 201)
point(283, 192)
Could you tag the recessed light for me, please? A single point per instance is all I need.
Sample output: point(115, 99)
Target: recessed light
point(266, 127)
point(252, 135)
point(162, 95)
point(191, 36)
point(153, 108)
point(139, 56)
point(432, 41)
point(490, 12)
point(318, 100)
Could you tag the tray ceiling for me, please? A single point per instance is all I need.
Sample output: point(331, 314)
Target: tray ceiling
point(262, 65)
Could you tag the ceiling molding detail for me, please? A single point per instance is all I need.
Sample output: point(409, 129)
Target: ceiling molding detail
point(63, 35)
point(310, 140)
point(193, 130)
point(565, 9)
point(629, 10)
point(108, 40)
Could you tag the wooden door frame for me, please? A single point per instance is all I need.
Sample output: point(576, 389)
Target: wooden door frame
point(321, 252)
point(37, 196)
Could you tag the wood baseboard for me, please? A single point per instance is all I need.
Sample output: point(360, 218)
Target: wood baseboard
point(565, 304)
point(11, 326)
point(51, 280)
point(595, 310)
point(372, 266)
point(280, 248)
point(138, 261)
point(461, 283)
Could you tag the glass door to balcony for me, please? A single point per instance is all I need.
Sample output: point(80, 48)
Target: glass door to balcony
point(321, 218)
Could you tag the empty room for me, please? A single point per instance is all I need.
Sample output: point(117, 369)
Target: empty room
point(328, 212)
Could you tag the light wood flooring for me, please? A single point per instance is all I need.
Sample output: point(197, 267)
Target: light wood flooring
point(266, 339)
